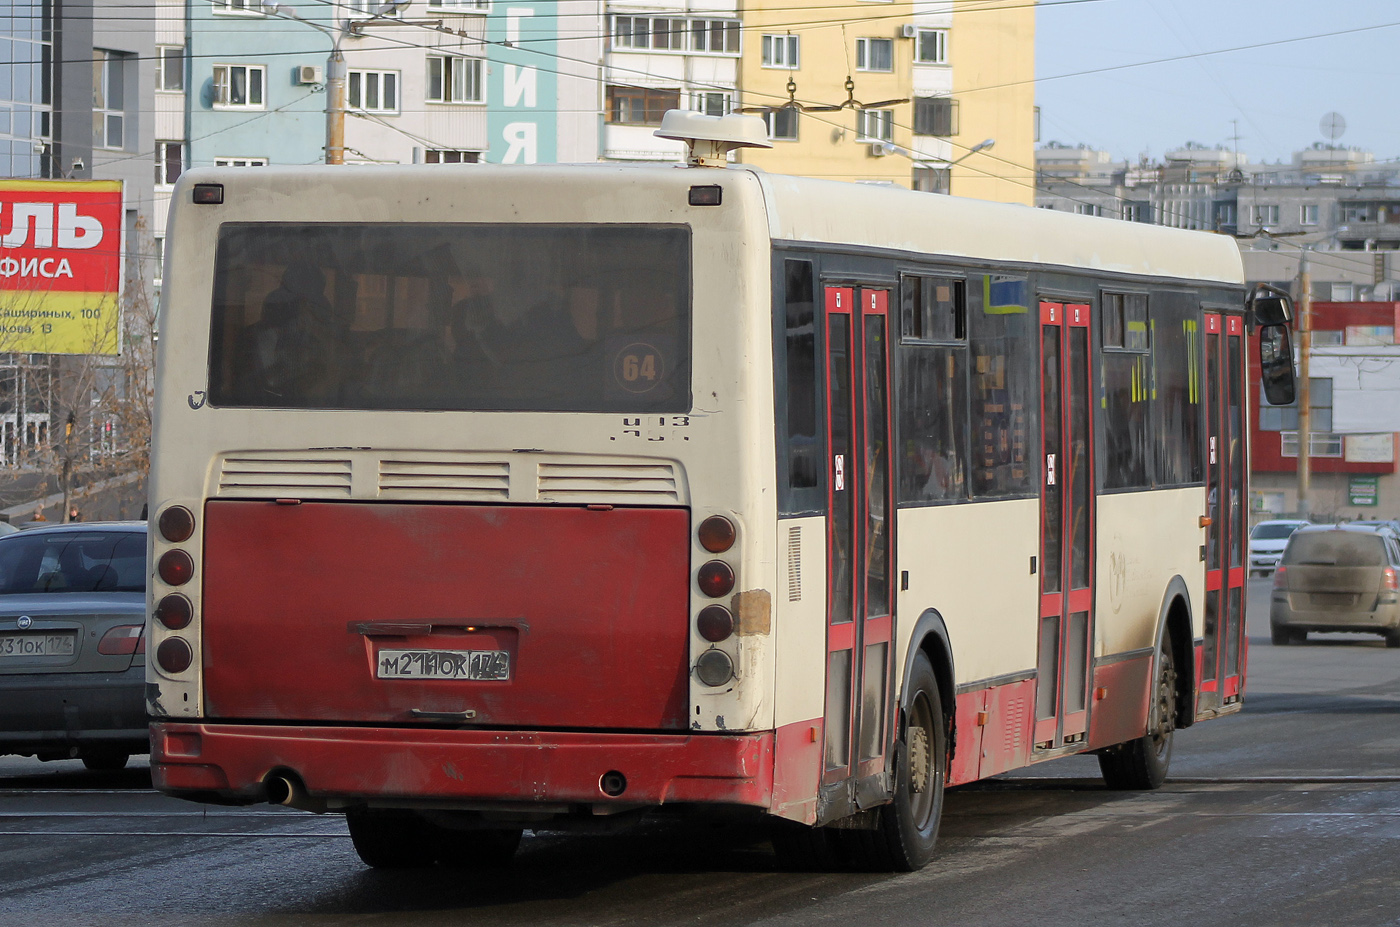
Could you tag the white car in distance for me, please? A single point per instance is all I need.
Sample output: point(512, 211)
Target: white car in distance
point(1267, 541)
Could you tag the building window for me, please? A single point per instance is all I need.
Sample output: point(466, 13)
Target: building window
point(640, 106)
point(720, 36)
point(1285, 418)
point(1369, 335)
point(782, 124)
point(1086, 209)
point(932, 47)
point(1325, 338)
point(444, 156)
point(455, 79)
point(240, 162)
point(875, 125)
point(649, 32)
point(932, 179)
point(374, 91)
point(170, 68)
point(170, 161)
point(712, 102)
point(158, 258)
point(1266, 215)
point(1130, 212)
point(108, 98)
point(239, 7)
point(372, 8)
point(468, 6)
point(781, 51)
point(239, 86)
point(1321, 444)
point(935, 116)
point(1307, 214)
point(874, 54)
point(1357, 212)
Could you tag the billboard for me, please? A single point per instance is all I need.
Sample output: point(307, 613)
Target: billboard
point(60, 266)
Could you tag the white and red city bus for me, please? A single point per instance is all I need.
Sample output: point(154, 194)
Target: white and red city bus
point(509, 497)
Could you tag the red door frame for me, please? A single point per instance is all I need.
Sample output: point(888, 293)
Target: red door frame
point(1068, 601)
point(846, 475)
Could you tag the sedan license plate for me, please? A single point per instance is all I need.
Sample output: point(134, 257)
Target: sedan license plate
point(36, 645)
point(444, 664)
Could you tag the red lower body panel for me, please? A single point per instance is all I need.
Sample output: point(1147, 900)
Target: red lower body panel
point(511, 766)
point(1122, 693)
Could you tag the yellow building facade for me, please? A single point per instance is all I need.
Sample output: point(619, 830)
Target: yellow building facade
point(895, 92)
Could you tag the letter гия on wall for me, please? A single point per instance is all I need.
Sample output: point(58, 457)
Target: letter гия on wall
point(60, 266)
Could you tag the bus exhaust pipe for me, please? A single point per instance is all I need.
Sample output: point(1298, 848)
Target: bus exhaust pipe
point(288, 790)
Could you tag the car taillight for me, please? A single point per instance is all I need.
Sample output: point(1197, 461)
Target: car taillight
point(715, 578)
point(174, 655)
point(1280, 578)
point(174, 611)
point(1391, 580)
point(122, 640)
point(175, 567)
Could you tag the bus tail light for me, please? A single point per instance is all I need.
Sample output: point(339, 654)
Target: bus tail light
point(175, 567)
point(715, 623)
point(176, 524)
point(174, 655)
point(122, 640)
point(1391, 580)
point(717, 534)
point(1281, 578)
point(714, 668)
point(174, 611)
point(716, 579)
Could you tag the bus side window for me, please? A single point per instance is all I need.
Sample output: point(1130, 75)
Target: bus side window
point(803, 442)
point(1003, 367)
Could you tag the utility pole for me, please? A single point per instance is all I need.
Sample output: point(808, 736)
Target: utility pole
point(335, 106)
point(1305, 384)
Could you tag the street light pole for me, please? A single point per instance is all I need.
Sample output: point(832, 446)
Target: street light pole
point(1305, 384)
point(335, 81)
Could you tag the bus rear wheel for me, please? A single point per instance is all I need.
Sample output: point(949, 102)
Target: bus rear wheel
point(1142, 764)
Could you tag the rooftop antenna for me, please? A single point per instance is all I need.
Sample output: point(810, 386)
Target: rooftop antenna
point(1334, 126)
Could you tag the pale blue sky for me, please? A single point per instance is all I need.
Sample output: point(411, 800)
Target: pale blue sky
point(1278, 94)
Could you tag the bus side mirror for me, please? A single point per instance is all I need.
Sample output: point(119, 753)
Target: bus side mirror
point(1272, 310)
point(1276, 364)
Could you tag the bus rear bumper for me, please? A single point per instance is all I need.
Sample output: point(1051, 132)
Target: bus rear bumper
point(346, 766)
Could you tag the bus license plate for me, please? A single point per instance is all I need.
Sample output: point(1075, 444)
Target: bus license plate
point(36, 645)
point(444, 664)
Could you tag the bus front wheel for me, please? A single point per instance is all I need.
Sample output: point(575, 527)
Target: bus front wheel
point(1142, 764)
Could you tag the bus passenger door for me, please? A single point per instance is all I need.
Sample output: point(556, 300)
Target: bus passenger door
point(1067, 526)
point(1222, 652)
point(860, 548)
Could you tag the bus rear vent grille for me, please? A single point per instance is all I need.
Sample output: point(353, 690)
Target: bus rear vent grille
point(272, 478)
point(473, 481)
point(624, 483)
point(795, 563)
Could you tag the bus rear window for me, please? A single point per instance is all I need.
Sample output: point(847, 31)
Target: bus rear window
point(452, 317)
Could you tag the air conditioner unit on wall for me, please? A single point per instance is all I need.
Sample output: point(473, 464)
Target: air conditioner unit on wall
point(310, 74)
point(909, 31)
point(880, 149)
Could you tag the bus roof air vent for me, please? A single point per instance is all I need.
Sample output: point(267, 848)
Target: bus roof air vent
point(711, 138)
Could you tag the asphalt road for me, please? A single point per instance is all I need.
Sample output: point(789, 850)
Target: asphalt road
point(1286, 814)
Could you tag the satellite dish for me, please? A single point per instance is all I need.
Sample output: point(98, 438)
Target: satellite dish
point(1333, 125)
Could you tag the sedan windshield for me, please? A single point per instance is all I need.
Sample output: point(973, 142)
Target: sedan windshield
point(1273, 532)
point(87, 561)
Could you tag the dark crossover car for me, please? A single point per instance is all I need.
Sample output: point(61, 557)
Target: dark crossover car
point(1338, 578)
point(72, 643)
